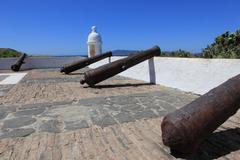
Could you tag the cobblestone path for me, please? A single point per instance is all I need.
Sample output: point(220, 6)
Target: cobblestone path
point(49, 115)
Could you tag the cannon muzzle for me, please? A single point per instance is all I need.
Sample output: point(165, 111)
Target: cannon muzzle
point(106, 71)
point(68, 68)
point(17, 65)
point(185, 129)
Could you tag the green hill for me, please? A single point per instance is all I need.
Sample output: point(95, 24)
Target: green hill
point(7, 52)
point(226, 45)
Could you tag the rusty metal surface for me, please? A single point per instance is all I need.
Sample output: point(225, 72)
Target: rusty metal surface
point(17, 65)
point(185, 129)
point(106, 71)
point(68, 68)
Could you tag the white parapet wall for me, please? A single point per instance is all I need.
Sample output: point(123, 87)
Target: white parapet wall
point(194, 75)
point(38, 62)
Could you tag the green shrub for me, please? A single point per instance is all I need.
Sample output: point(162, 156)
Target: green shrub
point(6, 52)
point(225, 46)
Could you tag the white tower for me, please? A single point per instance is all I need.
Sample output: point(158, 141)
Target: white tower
point(94, 43)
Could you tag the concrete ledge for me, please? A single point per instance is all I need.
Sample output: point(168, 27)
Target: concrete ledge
point(11, 78)
point(188, 74)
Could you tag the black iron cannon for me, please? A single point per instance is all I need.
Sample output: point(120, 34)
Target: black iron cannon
point(68, 68)
point(106, 71)
point(185, 129)
point(17, 65)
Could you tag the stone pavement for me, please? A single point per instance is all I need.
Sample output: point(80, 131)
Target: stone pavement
point(4, 89)
point(49, 115)
point(20, 120)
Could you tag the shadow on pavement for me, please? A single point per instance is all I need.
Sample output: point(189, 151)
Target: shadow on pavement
point(122, 85)
point(217, 145)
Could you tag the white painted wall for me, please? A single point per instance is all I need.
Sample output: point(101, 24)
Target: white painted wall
point(187, 74)
point(38, 62)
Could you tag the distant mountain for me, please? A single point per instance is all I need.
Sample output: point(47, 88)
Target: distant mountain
point(177, 53)
point(123, 52)
point(8, 52)
point(180, 53)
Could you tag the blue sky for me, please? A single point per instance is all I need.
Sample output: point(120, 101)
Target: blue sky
point(61, 27)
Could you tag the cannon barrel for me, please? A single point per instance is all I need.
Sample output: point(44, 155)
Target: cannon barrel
point(185, 129)
point(17, 65)
point(106, 71)
point(68, 68)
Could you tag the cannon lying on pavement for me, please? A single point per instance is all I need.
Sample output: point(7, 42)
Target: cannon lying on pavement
point(17, 65)
point(68, 68)
point(185, 129)
point(106, 71)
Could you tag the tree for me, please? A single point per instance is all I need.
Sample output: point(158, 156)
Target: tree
point(225, 46)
